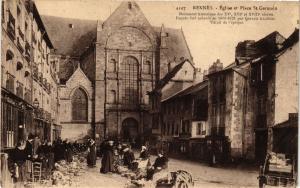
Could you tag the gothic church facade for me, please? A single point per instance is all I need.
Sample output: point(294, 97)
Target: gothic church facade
point(108, 68)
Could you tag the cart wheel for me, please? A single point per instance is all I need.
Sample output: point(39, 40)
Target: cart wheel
point(261, 183)
point(182, 184)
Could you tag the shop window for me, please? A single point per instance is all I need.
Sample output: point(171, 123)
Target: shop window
point(79, 105)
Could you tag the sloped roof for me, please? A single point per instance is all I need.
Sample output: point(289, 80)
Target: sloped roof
point(189, 91)
point(291, 40)
point(70, 36)
point(164, 81)
point(176, 45)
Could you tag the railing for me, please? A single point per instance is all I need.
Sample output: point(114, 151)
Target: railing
point(21, 34)
point(27, 51)
point(35, 73)
point(45, 82)
point(33, 38)
point(20, 46)
point(11, 26)
point(40, 77)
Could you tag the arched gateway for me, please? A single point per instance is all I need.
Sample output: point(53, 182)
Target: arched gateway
point(129, 129)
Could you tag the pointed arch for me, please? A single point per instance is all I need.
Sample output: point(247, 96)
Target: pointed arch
point(79, 105)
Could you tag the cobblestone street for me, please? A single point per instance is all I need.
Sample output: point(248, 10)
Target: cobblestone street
point(204, 176)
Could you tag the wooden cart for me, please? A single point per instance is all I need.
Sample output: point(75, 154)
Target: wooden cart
point(179, 179)
point(278, 170)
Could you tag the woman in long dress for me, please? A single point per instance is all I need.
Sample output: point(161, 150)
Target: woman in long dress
point(91, 158)
point(107, 158)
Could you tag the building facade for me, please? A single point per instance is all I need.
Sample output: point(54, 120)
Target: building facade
point(242, 99)
point(28, 82)
point(109, 67)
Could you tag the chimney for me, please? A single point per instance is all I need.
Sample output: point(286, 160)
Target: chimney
point(215, 67)
point(244, 51)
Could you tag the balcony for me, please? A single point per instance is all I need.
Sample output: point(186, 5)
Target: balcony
point(33, 38)
point(11, 26)
point(40, 77)
point(21, 34)
point(20, 90)
point(45, 82)
point(19, 45)
point(35, 72)
point(27, 51)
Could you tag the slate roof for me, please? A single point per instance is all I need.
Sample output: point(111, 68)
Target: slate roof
point(67, 40)
point(189, 91)
point(176, 44)
point(291, 40)
point(164, 81)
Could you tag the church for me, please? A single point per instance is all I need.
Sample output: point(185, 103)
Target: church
point(108, 68)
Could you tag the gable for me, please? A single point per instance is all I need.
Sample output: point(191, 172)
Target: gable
point(186, 73)
point(127, 14)
point(79, 79)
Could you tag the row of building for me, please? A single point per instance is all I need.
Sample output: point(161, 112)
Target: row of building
point(125, 79)
point(240, 111)
point(29, 78)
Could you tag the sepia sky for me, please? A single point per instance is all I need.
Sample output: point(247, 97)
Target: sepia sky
point(206, 41)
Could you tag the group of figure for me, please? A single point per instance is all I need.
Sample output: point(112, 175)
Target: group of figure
point(119, 158)
point(35, 150)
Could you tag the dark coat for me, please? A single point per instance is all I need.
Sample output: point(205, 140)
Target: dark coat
point(107, 159)
point(91, 157)
point(160, 162)
point(128, 159)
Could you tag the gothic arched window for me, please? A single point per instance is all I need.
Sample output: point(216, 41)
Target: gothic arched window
point(129, 81)
point(79, 105)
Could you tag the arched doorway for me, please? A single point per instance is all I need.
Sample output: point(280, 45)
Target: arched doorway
point(129, 129)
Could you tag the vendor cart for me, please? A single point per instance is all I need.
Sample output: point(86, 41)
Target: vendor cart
point(278, 170)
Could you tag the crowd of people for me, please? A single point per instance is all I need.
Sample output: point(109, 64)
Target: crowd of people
point(46, 153)
point(116, 157)
point(119, 158)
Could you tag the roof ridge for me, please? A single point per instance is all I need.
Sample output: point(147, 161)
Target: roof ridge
point(67, 18)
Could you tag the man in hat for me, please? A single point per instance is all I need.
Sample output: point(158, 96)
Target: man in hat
point(107, 158)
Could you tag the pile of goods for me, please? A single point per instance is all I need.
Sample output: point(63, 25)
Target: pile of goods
point(279, 163)
point(64, 172)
